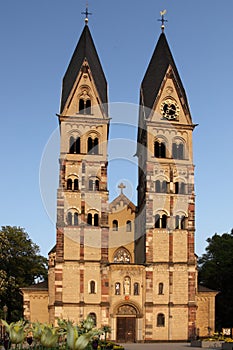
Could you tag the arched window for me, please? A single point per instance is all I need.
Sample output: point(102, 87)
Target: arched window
point(74, 145)
point(160, 320)
point(75, 219)
point(96, 220)
point(84, 106)
point(161, 186)
point(88, 107)
point(81, 106)
point(77, 146)
point(93, 185)
point(160, 291)
point(115, 225)
point(93, 145)
point(160, 221)
point(122, 256)
point(69, 218)
point(157, 221)
point(179, 188)
point(117, 288)
point(96, 146)
point(94, 319)
point(136, 288)
point(76, 185)
point(69, 184)
point(180, 222)
point(178, 150)
point(89, 219)
point(164, 221)
point(89, 145)
point(159, 149)
point(72, 141)
point(72, 218)
point(128, 226)
point(92, 287)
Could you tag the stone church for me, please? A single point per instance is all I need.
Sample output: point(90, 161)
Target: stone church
point(130, 267)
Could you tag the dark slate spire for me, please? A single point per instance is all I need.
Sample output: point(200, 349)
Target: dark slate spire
point(159, 63)
point(85, 49)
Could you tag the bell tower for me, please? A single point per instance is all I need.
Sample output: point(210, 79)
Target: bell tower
point(82, 196)
point(166, 199)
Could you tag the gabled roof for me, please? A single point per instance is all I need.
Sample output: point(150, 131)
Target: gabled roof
point(125, 200)
point(159, 63)
point(204, 289)
point(37, 286)
point(85, 49)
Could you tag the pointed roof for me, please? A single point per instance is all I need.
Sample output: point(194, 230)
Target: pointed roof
point(85, 49)
point(159, 63)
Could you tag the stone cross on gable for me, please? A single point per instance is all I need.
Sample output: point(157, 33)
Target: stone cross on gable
point(121, 186)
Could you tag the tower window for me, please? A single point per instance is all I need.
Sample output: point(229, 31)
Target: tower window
point(72, 185)
point(89, 219)
point(75, 219)
point(180, 188)
point(72, 219)
point(178, 150)
point(76, 185)
point(93, 185)
point(84, 106)
point(160, 221)
point(115, 225)
point(160, 320)
point(160, 186)
point(74, 145)
point(93, 145)
point(69, 219)
point(69, 184)
point(93, 220)
point(96, 220)
point(180, 222)
point(159, 149)
point(128, 226)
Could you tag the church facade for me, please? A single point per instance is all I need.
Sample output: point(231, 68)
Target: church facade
point(130, 267)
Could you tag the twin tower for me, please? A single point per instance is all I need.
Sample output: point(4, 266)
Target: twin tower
point(130, 267)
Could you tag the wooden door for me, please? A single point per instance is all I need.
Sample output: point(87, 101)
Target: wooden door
point(126, 329)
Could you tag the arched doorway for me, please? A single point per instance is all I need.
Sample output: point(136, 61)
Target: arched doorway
point(126, 324)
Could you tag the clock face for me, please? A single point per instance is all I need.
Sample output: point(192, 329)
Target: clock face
point(170, 109)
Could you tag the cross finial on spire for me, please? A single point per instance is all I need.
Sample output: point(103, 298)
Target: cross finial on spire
point(86, 13)
point(162, 19)
point(121, 186)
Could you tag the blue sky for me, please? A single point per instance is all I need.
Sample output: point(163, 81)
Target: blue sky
point(37, 41)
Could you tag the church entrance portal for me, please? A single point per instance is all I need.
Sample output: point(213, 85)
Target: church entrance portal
point(126, 324)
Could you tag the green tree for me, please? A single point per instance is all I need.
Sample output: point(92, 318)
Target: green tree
point(216, 272)
point(21, 265)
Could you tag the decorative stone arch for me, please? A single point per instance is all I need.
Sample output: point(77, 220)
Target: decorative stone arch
point(127, 308)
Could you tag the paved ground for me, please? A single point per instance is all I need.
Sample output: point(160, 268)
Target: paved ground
point(160, 346)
